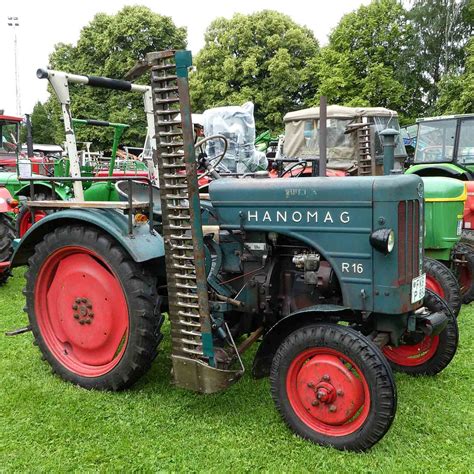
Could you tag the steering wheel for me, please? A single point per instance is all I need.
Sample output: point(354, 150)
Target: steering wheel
point(291, 168)
point(214, 162)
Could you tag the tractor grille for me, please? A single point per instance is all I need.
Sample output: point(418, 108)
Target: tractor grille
point(408, 240)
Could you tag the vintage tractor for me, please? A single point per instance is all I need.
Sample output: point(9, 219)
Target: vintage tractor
point(445, 147)
point(355, 147)
point(262, 259)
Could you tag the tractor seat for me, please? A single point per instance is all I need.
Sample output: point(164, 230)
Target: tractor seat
point(140, 193)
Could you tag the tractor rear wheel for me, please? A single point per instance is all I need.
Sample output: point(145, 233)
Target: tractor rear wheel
point(420, 354)
point(7, 235)
point(465, 271)
point(442, 281)
point(23, 219)
point(334, 387)
point(93, 311)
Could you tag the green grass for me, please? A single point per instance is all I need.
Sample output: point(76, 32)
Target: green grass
point(49, 425)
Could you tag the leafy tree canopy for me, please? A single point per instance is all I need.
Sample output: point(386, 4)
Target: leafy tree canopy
point(442, 29)
point(456, 93)
point(109, 46)
point(262, 57)
point(367, 60)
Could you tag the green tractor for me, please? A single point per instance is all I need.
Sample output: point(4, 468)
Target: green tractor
point(445, 147)
point(259, 260)
point(355, 147)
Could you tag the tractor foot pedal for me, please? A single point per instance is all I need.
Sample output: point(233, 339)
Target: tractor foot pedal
point(17, 332)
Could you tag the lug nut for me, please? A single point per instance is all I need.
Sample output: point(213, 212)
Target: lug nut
point(78, 300)
point(88, 321)
point(91, 314)
point(82, 322)
point(311, 385)
point(332, 408)
point(84, 300)
point(326, 378)
point(315, 403)
point(340, 392)
point(74, 306)
point(88, 306)
point(76, 316)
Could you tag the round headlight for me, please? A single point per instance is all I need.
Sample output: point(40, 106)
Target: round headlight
point(383, 240)
point(391, 241)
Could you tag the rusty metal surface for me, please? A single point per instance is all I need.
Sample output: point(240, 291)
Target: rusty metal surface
point(186, 281)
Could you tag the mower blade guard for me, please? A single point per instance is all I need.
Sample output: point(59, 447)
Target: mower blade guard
point(196, 375)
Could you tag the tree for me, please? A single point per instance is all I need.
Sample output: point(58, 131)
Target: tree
point(109, 46)
point(262, 57)
point(41, 124)
point(456, 92)
point(367, 60)
point(442, 29)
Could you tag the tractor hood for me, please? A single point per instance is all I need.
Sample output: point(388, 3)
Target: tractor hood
point(336, 217)
point(231, 193)
point(444, 189)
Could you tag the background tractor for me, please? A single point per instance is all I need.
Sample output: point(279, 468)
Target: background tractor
point(262, 259)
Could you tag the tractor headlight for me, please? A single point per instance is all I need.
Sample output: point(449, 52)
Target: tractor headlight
point(383, 240)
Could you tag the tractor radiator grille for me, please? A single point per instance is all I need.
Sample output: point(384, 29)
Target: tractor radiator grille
point(408, 240)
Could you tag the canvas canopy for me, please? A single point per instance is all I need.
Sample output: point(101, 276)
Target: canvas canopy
point(302, 132)
point(339, 111)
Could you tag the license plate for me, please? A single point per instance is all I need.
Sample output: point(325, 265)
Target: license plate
point(459, 229)
point(418, 285)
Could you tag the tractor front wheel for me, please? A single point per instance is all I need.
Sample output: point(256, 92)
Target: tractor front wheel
point(93, 311)
point(442, 281)
point(420, 354)
point(334, 387)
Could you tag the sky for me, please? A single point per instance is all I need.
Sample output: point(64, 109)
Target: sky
point(44, 23)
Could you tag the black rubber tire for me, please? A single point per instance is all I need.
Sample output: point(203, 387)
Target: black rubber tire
point(446, 280)
point(467, 290)
point(448, 340)
point(467, 237)
point(371, 362)
point(145, 318)
point(7, 235)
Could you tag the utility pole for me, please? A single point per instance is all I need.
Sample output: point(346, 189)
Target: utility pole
point(14, 22)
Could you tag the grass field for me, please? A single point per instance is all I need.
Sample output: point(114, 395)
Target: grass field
point(50, 425)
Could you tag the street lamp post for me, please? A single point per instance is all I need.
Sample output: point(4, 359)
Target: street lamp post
point(14, 22)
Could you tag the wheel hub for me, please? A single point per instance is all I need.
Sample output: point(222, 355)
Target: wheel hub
point(321, 385)
point(82, 311)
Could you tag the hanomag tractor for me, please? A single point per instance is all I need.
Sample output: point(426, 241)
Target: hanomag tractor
point(263, 259)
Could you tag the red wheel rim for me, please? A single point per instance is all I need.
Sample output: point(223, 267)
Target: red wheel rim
point(328, 392)
point(81, 311)
point(411, 355)
point(434, 285)
point(25, 222)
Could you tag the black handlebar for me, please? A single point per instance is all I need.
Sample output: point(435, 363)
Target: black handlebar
point(107, 83)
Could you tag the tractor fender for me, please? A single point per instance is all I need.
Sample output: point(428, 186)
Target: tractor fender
point(142, 246)
point(5, 198)
point(62, 192)
point(448, 171)
point(285, 326)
